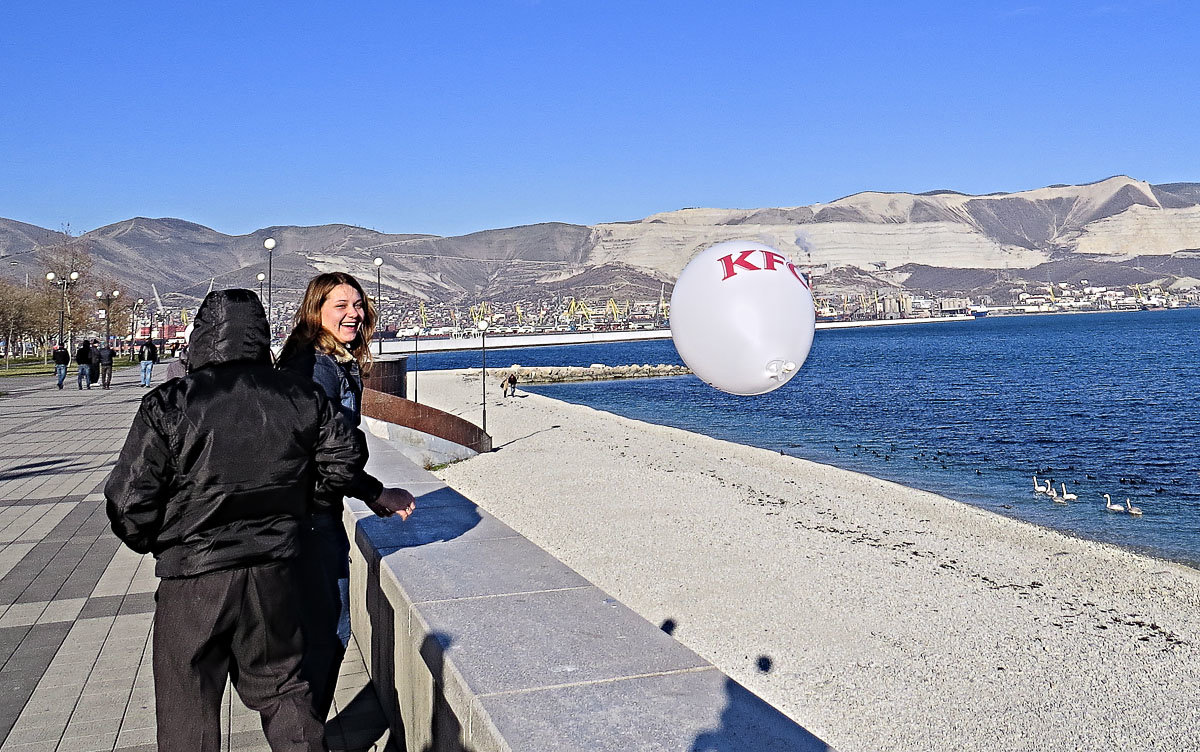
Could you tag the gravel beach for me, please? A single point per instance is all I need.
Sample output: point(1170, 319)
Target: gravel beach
point(889, 618)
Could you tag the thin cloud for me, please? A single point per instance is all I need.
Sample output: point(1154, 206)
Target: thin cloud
point(1024, 11)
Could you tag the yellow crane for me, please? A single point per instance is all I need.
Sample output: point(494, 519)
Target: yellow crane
point(520, 316)
point(615, 311)
point(579, 308)
point(424, 317)
point(480, 312)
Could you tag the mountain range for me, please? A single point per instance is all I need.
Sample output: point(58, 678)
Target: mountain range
point(1118, 231)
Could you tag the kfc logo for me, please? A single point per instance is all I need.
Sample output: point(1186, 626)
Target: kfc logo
point(770, 261)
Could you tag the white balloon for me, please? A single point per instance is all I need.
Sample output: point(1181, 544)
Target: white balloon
point(742, 317)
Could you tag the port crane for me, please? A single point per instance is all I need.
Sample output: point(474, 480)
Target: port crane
point(579, 309)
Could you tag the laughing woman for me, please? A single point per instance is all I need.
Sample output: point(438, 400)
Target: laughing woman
point(330, 345)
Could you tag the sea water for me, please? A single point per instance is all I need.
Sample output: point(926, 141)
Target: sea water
point(1105, 403)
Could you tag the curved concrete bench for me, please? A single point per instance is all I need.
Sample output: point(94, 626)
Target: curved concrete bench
point(477, 639)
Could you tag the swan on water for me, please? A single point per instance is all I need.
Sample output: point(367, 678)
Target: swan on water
point(1110, 506)
point(1051, 492)
point(1039, 488)
point(1068, 496)
point(1132, 509)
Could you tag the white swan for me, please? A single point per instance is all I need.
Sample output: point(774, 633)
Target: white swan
point(1132, 509)
point(1110, 506)
point(1060, 499)
point(1039, 488)
point(1050, 490)
point(1068, 496)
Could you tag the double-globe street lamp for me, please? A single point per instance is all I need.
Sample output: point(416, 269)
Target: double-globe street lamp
point(260, 277)
point(378, 303)
point(107, 299)
point(63, 281)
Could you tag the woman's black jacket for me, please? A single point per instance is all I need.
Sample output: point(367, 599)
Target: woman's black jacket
point(220, 466)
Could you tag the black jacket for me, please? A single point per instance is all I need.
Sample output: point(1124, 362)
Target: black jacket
point(83, 356)
point(342, 384)
point(61, 356)
point(221, 465)
point(148, 351)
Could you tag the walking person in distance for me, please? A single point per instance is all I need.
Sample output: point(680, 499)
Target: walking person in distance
point(83, 358)
point(330, 346)
point(148, 356)
point(106, 364)
point(94, 369)
point(62, 359)
point(215, 478)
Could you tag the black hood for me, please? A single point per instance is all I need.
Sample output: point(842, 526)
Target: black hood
point(230, 326)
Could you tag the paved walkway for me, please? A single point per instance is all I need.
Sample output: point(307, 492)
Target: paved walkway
point(76, 606)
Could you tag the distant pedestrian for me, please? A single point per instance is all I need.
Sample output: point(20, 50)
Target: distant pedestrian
point(511, 383)
point(177, 368)
point(62, 359)
point(83, 358)
point(94, 364)
point(106, 364)
point(217, 473)
point(148, 355)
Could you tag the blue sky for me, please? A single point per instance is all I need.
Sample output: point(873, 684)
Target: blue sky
point(451, 117)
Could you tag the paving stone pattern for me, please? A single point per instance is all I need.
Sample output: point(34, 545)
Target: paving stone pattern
point(76, 607)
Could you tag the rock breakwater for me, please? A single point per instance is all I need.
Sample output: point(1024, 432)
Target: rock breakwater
point(594, 372)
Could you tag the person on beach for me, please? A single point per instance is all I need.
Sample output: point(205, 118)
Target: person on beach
point(511, 383)
point(106, 354)
point(62, 359)
point(83, 358)
point(329, 345)
point(215, 479)
point(148, 356)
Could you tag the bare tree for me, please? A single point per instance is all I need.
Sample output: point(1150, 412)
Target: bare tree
point(18, 317)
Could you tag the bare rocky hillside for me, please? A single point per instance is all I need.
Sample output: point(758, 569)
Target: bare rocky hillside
point(1116, 231)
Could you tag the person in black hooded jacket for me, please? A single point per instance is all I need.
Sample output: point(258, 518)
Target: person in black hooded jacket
point(217, 472)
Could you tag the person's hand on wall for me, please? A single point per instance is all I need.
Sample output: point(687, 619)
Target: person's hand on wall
point(394, 501)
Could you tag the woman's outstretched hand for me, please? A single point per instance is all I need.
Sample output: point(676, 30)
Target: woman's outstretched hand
point(394, 501)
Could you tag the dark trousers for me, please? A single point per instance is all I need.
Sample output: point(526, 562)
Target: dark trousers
point(325, 615)
point(242, 624)
point(105, 375)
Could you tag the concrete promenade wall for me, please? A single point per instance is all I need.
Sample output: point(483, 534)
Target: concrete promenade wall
point(477, 639)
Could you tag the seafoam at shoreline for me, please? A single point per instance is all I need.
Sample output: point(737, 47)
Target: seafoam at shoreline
point(893, 618)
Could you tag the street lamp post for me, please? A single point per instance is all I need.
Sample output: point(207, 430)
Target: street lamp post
point(483, 325)
point(378, 302)
point(416, 359)
point(107, 299)
point(260, 277)
point(132, 323)
point(269, 244)
point(63, 283)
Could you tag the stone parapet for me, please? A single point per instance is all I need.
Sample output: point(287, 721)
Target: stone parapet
point(477, 639)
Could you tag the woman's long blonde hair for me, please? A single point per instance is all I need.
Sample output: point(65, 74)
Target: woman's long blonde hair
point(309, 334)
